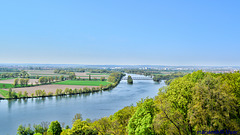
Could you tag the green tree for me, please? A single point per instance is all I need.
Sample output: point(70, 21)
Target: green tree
point(82, 128)
point(61, 78)
point(25, 94)
point(42, 80)
point(22, 82)
point(213, 107)
point(54, 128)
point(16, 82)
point(130, 80)
point(102, 78)
point(141, 121)
point(77, 116)
point(26, 81)
point(10, 93)
point(22, 130)
point(19, 94)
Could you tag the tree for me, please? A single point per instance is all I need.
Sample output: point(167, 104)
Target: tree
point(102, 78)
point(130, 80)
point(25, 94)
point(19, 94)
point(141, 121)
point(22, 130)
point(61, 78)
point(10, 93)
point(22, 82)
point(26, 81)
point(89, 77)
point(55, 128)
point(82, 128)
point(77, 116)
point(42, 80)
point(38, 129)
point(16, 82)
point(213, 107)
point(56, 78)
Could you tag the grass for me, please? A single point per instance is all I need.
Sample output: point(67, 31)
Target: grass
point(84, 83)
point(6, 85)
point(6, 78)
point(4, 93)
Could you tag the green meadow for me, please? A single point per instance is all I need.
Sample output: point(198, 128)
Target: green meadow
point(4, 93)
point(84, 83)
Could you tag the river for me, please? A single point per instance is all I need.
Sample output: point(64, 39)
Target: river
point(93, 105)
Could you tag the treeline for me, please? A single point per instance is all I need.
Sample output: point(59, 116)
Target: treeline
point(198, 103)
point(99, 70)
point(9, 70)
point(59, 92)
point(91, 70)
point(168, 77)
point(22, 74)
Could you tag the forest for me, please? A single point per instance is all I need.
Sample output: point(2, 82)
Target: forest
point(199, 102)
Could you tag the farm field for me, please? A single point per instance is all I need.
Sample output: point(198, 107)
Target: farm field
point(3, 93)
point(92, 74)
point(84, 83)
point(5, 85)
point(6, 78)
point(44, 73)
point(10, 81)
point(49, 88)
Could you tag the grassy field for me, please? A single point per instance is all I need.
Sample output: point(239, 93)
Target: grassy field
point(4, 93)
point(84, 83)
point(6, 85)
point(6, 78)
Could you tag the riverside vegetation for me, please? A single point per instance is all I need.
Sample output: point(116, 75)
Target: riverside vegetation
point(113, 80)
point(196, 102)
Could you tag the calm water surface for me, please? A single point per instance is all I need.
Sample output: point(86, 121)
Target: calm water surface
point(93, 106)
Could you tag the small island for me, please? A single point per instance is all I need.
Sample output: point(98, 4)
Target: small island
point(130, 80)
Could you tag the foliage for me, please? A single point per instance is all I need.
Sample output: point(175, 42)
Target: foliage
point(22, 130)
point(196, 102)
point(141, 121)
point(54, 128)
point(130, 80)
point(84, 83)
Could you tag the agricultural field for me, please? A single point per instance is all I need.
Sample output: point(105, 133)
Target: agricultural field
point(43, 73)
point(6, 78)
point(3, 93)
point(10, 81)
point(49, 88)
point(84, 83)
point(6, 84)
point(93, 75)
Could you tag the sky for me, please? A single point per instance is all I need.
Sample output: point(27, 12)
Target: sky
point(124, 32)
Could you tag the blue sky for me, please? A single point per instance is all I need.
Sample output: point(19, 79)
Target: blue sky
point(169, 32)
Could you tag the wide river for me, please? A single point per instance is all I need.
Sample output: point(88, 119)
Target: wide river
point(93, 106)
